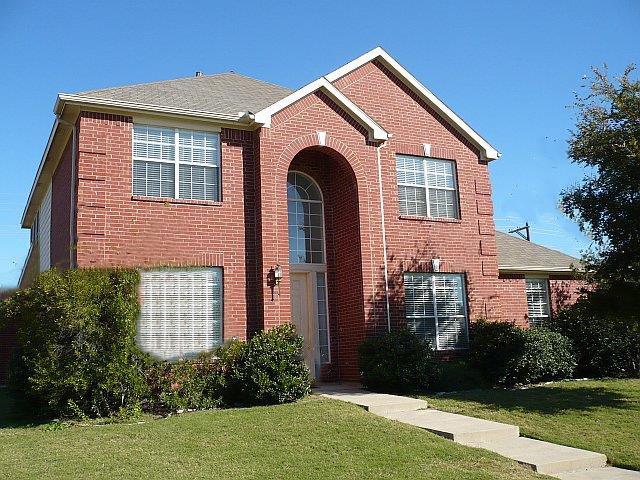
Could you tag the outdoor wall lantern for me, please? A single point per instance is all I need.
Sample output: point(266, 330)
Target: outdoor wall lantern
point(435, 264)
point(278, 274)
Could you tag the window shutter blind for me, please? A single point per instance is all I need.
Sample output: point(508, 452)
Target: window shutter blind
point(537, 300)
point(44, 231)
point(181, 312)
point(435, 309)
point(427, 187)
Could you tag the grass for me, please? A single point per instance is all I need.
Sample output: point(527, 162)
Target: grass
point(599, 415)
point(315, 439)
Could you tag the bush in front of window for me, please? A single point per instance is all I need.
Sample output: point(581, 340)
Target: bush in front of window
point(194, 384)
point(397, 362)
point(606, 342)
point(508, 355)
point(268, 369)
point(77, 354)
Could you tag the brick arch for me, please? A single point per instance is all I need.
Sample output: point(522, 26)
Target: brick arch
point(332, 147)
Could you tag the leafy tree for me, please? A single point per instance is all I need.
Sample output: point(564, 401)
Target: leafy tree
point(606, 204)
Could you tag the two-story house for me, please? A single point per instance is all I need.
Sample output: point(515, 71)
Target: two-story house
point(355, 204)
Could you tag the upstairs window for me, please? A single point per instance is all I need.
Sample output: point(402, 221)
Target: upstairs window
point(175, 163)
point(427, 187)
point(537, 300)
point(435, 309)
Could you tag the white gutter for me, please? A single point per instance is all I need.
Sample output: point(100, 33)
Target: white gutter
point(384, 237)
point(42, 161)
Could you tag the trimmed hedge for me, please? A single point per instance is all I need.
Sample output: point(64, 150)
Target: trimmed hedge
point(508, 355)
point(268, 369)
point(397, 362)
point(77, 354)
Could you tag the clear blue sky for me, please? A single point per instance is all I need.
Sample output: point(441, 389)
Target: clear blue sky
point(508, 67)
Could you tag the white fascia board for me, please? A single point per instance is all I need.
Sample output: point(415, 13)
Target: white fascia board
point(488, 152)
point(54, 129)
point(533, 268)
point(64, 98)
point(376, 132)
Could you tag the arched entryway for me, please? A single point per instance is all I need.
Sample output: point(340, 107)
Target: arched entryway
point(325, 261)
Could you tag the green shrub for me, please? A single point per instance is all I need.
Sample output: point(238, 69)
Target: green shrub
point(398, 361)
point(458, 375)
point(509, 355)
point(185, 385)
point(76, 342)
point(268, 369)
point(606, 344)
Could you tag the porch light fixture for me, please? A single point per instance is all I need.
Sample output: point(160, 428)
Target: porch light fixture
point(435, 264)
point(278, 274)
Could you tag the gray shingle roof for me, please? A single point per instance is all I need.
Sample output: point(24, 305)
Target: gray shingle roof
point(518, 254)
point(223, 93)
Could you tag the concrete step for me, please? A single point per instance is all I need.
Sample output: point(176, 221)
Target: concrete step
point(458, 428)
point(544, 457)
point(604, 473)
point(378, 403)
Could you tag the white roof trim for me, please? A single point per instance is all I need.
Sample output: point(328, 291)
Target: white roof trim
point(488, 152)
point(376, 132)
point(533, 268)
point(64, 98)
point(54, 128)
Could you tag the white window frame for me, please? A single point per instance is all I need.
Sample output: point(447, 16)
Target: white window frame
point(436, 317)
point(324, 233)
point(426, 187)
point(176, 159)
point(538, 319)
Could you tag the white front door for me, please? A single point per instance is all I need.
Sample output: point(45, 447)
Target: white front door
point(303, 318)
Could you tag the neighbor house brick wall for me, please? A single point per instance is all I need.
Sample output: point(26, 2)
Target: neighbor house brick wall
point(61, 209)
point(564, 290)
point(115, 228)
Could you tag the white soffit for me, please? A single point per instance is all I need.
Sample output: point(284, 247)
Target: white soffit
point(488, 152)
point(376, 132)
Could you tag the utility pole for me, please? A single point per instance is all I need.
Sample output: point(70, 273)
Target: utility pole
point(519, 230)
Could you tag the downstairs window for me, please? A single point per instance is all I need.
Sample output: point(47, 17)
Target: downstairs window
point(537, 300)
point(181, 312)
point(436, 310)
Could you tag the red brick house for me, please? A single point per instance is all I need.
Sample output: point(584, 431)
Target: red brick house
point(355, 204)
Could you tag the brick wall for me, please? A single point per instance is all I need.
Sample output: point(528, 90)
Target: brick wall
point(564, 290)
point(61, 210)
point(466, 245)
point(116, 229)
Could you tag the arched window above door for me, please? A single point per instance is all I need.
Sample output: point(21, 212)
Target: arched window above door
point(306, 220)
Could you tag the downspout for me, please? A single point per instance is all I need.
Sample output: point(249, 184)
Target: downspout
point(384, 236)
point(72, 205)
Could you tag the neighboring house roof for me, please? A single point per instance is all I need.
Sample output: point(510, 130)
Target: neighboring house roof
point(517, 254)
point(224, 93)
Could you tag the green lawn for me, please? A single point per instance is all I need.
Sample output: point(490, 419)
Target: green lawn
point(315, 438)
point(602, 415)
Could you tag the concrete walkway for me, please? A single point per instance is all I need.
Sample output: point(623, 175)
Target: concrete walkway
point(566, 463)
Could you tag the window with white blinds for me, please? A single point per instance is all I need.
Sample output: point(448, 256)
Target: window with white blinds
point(427, 187)
point(435, 306)
point(181, 312)
point(175, 163)
point(537, 300)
